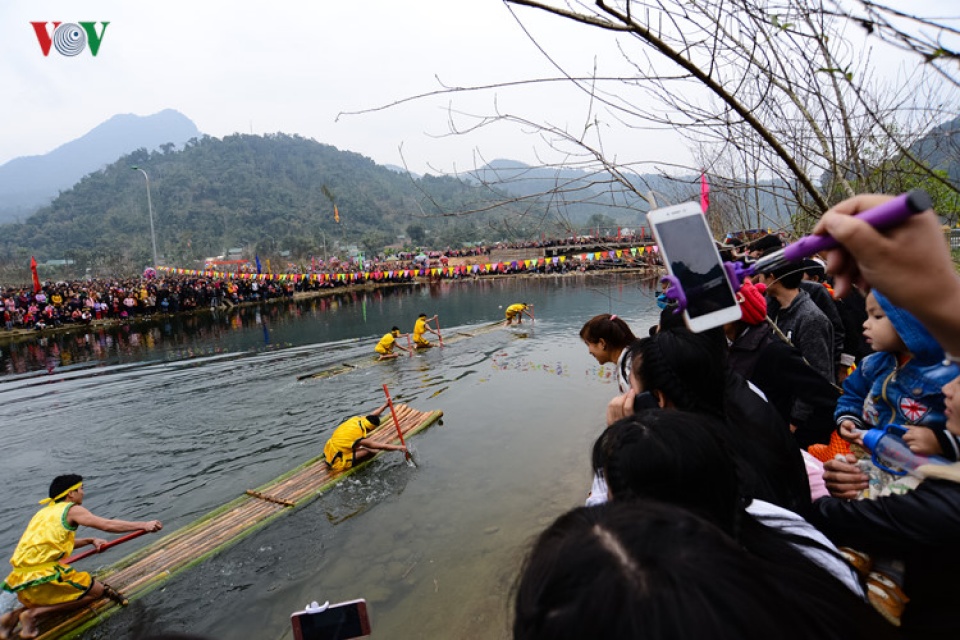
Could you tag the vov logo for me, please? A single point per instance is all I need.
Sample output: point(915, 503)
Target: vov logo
point(69, 38)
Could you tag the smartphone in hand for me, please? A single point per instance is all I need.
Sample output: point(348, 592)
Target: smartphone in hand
point(690, 254)
point(340, 621)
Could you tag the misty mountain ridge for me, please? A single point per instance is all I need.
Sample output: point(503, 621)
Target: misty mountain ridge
point(30, 182)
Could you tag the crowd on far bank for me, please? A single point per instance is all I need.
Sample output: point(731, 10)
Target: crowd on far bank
point(57, 304)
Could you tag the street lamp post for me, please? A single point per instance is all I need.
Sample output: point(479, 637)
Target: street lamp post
point(153, 235)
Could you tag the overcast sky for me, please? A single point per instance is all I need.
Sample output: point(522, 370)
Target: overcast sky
point(292, 66)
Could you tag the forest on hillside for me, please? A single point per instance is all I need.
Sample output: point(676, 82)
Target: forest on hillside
point(265, 194)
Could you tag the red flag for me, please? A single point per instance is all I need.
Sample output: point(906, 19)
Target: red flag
point(336, 214)
point(704, 193)
point(36, 278)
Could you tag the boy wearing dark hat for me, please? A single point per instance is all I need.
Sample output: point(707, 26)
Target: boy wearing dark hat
point(799, 318)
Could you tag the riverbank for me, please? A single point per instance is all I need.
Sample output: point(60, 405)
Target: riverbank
point(25, 335)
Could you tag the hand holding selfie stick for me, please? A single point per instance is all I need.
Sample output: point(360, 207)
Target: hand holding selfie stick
point(889, 214)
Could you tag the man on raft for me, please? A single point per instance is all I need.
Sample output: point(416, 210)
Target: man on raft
point(349, 444)
point(420, 328)
point(44, 584)
point(517, 311)
point(387, 344)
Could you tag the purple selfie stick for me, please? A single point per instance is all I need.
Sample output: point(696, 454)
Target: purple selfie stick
point(889, 214)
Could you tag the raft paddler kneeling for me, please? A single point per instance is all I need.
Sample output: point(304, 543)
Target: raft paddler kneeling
point(420, 328)
point(44, 584)
point(517, 311)
point(388, 343)
point(349, 444)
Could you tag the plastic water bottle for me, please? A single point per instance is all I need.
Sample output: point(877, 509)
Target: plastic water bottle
point(892, 454)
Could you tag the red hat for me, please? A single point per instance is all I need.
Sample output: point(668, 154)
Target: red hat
point(753, 306)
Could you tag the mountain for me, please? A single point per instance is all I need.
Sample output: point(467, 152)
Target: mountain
point(940, 148)
point(264, 194)
point(30, 182)
point(574, 195)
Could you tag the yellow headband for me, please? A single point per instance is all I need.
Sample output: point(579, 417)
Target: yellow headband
point(62, 495)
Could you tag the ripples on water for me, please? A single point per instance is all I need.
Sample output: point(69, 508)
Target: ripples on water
point(183, 419)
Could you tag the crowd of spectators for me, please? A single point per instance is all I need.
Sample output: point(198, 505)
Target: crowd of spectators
point(83, 302)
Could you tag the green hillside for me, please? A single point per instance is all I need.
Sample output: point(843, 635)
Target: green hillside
point(260, 193)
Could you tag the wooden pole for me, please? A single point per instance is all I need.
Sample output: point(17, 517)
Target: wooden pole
point(439, 337)
point(112, 543)
point(396, 420)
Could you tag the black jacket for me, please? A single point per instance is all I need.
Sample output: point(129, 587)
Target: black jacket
point(769, 462)
point(922, 528)
point(801, 396)
point(825, 302)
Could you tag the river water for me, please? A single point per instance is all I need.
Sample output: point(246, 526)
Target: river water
point(172, 419)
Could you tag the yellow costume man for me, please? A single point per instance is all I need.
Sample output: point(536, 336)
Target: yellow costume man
point(349, 444)
point(42, 582)
point(387, 343)
point(517, 311)
point(420, 328)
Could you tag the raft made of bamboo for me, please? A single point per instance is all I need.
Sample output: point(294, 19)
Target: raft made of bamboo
point(146, 569)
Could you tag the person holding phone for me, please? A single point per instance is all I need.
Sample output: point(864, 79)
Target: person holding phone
point(349, 444)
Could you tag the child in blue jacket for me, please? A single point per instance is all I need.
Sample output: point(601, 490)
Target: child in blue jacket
point(898, 384)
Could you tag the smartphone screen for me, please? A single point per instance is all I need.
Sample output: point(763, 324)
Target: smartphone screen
point(338, 622)
point(691, 256)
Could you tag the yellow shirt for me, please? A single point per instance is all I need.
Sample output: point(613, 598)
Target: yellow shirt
point(419, 329)
point(339, 448)
point(48, 538)
point(386, 343)
point(514, 309)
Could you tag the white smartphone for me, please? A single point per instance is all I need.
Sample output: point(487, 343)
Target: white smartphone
point(340, 621)
point(690, 255)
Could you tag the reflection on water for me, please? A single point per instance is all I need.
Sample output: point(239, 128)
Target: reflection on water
point(179, 421)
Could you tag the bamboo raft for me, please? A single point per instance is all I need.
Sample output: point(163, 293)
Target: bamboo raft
point(363, 363)
point(146, 569)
